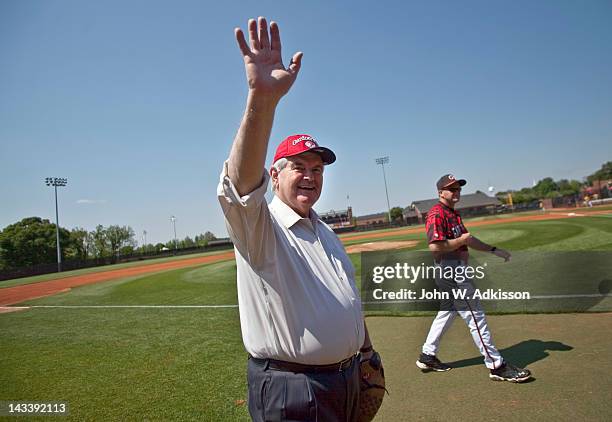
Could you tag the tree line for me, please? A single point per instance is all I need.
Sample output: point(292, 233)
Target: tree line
point(549, 188)
point(32, 241)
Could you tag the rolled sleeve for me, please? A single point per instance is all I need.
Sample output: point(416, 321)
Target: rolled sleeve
point(435, 228)
point(246, 216)
point(228, 194)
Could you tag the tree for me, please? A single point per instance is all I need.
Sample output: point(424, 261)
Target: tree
point(143, 249)
point(31, 241)
point(126, 250)
point(603, 174)
point(545, 187)
point(81, 244)
point(203, 239)
point(397, 214)
point(101, 246)
point(119, 237)
point(569, 187)
point(187, 242)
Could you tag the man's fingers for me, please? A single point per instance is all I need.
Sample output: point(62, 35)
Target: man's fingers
point(253, 38)
point(275, 34)
point(264, 41)
point(244, 47)
point(296, 63)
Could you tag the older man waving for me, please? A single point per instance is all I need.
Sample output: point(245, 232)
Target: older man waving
point(300, 311)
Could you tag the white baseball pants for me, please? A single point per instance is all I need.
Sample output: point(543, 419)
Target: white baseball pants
point(473, 316)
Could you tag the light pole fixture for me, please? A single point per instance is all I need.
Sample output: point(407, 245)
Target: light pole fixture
point(382, 161)
point(55, 182)
point(173, 219)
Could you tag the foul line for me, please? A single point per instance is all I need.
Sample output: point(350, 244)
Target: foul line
point(130, 306)
point(235, 306)
point(532, 297)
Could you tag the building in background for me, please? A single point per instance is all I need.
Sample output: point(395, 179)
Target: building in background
point(372, 220)
point(471, 204)
point(338, 219)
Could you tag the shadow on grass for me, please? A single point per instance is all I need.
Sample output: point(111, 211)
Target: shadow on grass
point(521, 354)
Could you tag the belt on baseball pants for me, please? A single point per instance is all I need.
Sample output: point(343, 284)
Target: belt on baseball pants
point(444, 262)
point(279, 365)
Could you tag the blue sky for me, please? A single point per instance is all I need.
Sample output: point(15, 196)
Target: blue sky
point(137, 102)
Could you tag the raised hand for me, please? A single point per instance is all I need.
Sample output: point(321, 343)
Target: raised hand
point(265, 72)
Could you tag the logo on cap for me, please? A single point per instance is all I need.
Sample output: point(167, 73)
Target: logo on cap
point(303, 138)
point(297, 144)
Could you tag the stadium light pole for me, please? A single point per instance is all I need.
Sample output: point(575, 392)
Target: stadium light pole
point(55, 182)
point(173, 219)
point(382, 161)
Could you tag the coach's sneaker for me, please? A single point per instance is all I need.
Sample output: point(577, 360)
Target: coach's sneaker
point(508, 372)
point(431, 363)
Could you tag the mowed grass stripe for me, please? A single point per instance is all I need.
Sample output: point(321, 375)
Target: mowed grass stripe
point(105, 268)
point(211, 284)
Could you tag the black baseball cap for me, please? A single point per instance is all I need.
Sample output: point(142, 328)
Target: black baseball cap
point(447, 180)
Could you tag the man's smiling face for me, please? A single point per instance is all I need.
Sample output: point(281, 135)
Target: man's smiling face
point(299, 184)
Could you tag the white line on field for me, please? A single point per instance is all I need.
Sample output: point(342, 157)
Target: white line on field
point(134, 306)
point(568, 296)
point(235, 306)
point(532, 297)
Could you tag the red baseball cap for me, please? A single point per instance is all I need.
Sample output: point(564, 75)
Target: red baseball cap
point(297, 144)
point(447, 180)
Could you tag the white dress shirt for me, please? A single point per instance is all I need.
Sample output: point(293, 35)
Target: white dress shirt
point(296, 285)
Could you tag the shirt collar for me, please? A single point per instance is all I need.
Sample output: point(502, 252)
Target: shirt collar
point(287, 216)
point(446, 207)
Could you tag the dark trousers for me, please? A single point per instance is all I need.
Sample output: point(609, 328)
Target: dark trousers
point(288, 396)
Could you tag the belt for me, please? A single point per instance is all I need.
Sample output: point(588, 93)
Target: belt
point(450, 262)
point(279, 365)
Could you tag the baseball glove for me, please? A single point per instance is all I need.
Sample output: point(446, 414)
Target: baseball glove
point(372, 386)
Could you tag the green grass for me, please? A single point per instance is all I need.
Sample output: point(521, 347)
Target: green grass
point(210, 284)
point(567, 354)
point(189, 363)
point(127, 364)
point(55, 276)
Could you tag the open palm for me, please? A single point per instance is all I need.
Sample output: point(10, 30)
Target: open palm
point(265, 71)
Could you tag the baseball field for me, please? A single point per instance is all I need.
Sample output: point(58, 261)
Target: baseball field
point(161, 340)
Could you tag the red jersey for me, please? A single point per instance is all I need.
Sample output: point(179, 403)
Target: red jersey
point(444, 223)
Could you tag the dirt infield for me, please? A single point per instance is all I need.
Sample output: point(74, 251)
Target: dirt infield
point(380, 246)
point(17, 294)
